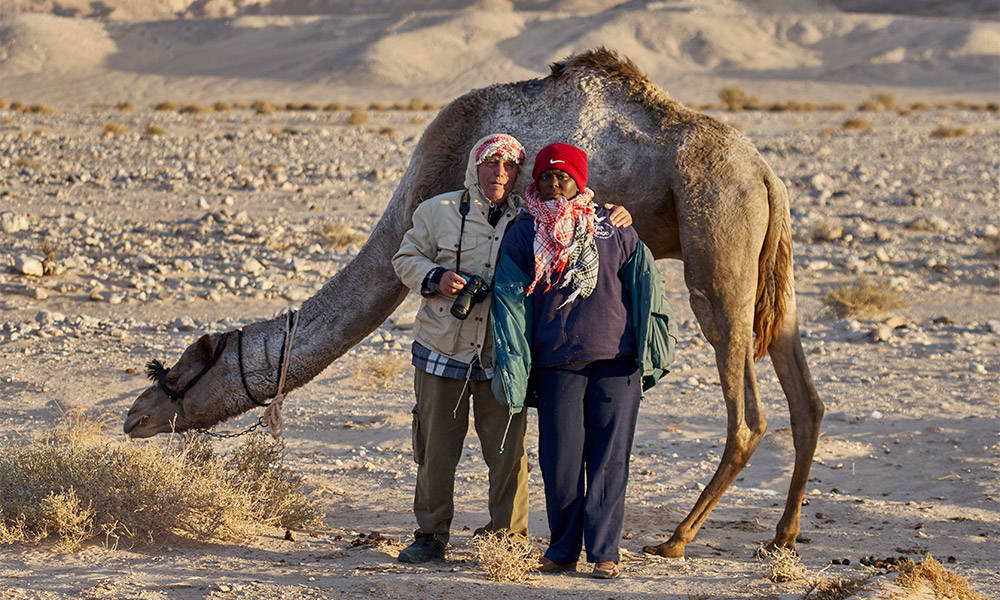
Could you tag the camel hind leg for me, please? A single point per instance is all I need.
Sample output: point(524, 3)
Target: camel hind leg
point(727, 322)
point(806, 411)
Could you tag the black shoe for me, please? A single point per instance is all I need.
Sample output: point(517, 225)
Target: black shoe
point(424, 548)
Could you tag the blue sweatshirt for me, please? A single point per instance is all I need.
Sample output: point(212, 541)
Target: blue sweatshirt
point(587, 329)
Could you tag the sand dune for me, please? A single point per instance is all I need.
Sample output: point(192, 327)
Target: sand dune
point(438, 50)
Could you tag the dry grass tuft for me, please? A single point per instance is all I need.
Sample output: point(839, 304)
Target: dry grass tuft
point(863, 297)
point(836, 589)
point(167, 106)
point(26, 162)
point(41, 109)
point(263, 108)
point(194, 109)
point(75, 484)
point(931, 574)
point(784, 565)
point(113, 129)
point(378, 372)
point(419, 104)
point(736, 99)
point(993, 245)
point(221, 106)
point(125, 106)
point(357, 117)
point(505, 557)
point(946, 131)
point(153, 130)
point(858, 124)
point(339, 235)
point(333, 107)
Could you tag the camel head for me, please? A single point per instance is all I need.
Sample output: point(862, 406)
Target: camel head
point(186, 395)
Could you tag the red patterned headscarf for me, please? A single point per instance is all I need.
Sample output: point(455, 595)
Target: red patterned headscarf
point(564, 245)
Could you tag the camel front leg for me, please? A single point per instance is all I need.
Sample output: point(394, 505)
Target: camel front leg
point(745, 422)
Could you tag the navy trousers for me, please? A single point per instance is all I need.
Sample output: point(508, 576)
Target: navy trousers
point(586, 422)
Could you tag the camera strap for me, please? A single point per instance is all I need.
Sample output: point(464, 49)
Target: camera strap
point(463, 209)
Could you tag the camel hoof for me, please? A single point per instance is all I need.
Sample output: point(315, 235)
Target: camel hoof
point(775, 544)
point(666, 549)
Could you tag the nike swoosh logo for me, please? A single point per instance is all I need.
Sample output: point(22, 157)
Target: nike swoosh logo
point(553, 161)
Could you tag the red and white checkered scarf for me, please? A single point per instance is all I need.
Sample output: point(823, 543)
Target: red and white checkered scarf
point(564, 241)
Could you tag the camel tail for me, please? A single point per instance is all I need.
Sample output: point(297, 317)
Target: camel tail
point(774, 267)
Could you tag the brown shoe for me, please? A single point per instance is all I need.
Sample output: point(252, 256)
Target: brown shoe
point(606, 570)
point(547, 566)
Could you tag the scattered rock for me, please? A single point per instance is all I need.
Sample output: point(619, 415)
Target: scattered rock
point(252, 266)
point(26, 264)
point(184, 324)
point(12, 222)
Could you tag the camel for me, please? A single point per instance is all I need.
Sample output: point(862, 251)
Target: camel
point(698, 192)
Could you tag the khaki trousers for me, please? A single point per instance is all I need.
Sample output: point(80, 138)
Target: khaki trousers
point(438, 438)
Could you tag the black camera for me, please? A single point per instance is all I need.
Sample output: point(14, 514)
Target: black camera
point(475, 291)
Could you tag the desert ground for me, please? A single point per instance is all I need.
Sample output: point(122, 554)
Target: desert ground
point(127, 232)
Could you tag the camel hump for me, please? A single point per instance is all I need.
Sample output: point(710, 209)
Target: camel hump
point(602, 59)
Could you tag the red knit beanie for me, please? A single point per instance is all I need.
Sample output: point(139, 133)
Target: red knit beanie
point(564, 157)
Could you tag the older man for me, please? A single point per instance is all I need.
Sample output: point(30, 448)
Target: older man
point(455, 236)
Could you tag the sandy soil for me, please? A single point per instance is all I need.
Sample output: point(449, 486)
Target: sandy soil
point(152, 237)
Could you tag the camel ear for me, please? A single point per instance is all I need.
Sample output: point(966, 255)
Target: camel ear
point(205, 347)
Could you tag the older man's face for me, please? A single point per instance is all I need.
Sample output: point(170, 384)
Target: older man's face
point(496, 179)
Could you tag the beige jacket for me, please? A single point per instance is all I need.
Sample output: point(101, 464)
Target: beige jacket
point(433, 242)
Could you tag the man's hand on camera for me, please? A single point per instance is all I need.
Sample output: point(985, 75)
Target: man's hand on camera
point(451, 284)
point(619, 216)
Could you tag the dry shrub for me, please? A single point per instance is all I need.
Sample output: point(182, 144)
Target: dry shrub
point(834, 106)
point(417, 121)
point(836, 589)
point(167, 106)
point(113, 129)
point(194, 109)
point(377, 106)
point(74, 484)
point(41, 109)
point(419, 104)
point(793, 106)
point(339, 235)
point(18, 106)
point(863, 297)
point(784, 564)
point(3, 104)
point(858, 124)
point(735, 98)
point(263, 108)
point(26, 162)
point(125, 106)
point(153, 130)
point(388, 131)
point(378, 372)
point(333, 107)
point(931, 574)
point(993, 245)
point(221, 106)
point(505, 557)
point(946, 131)
point(357, 117)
